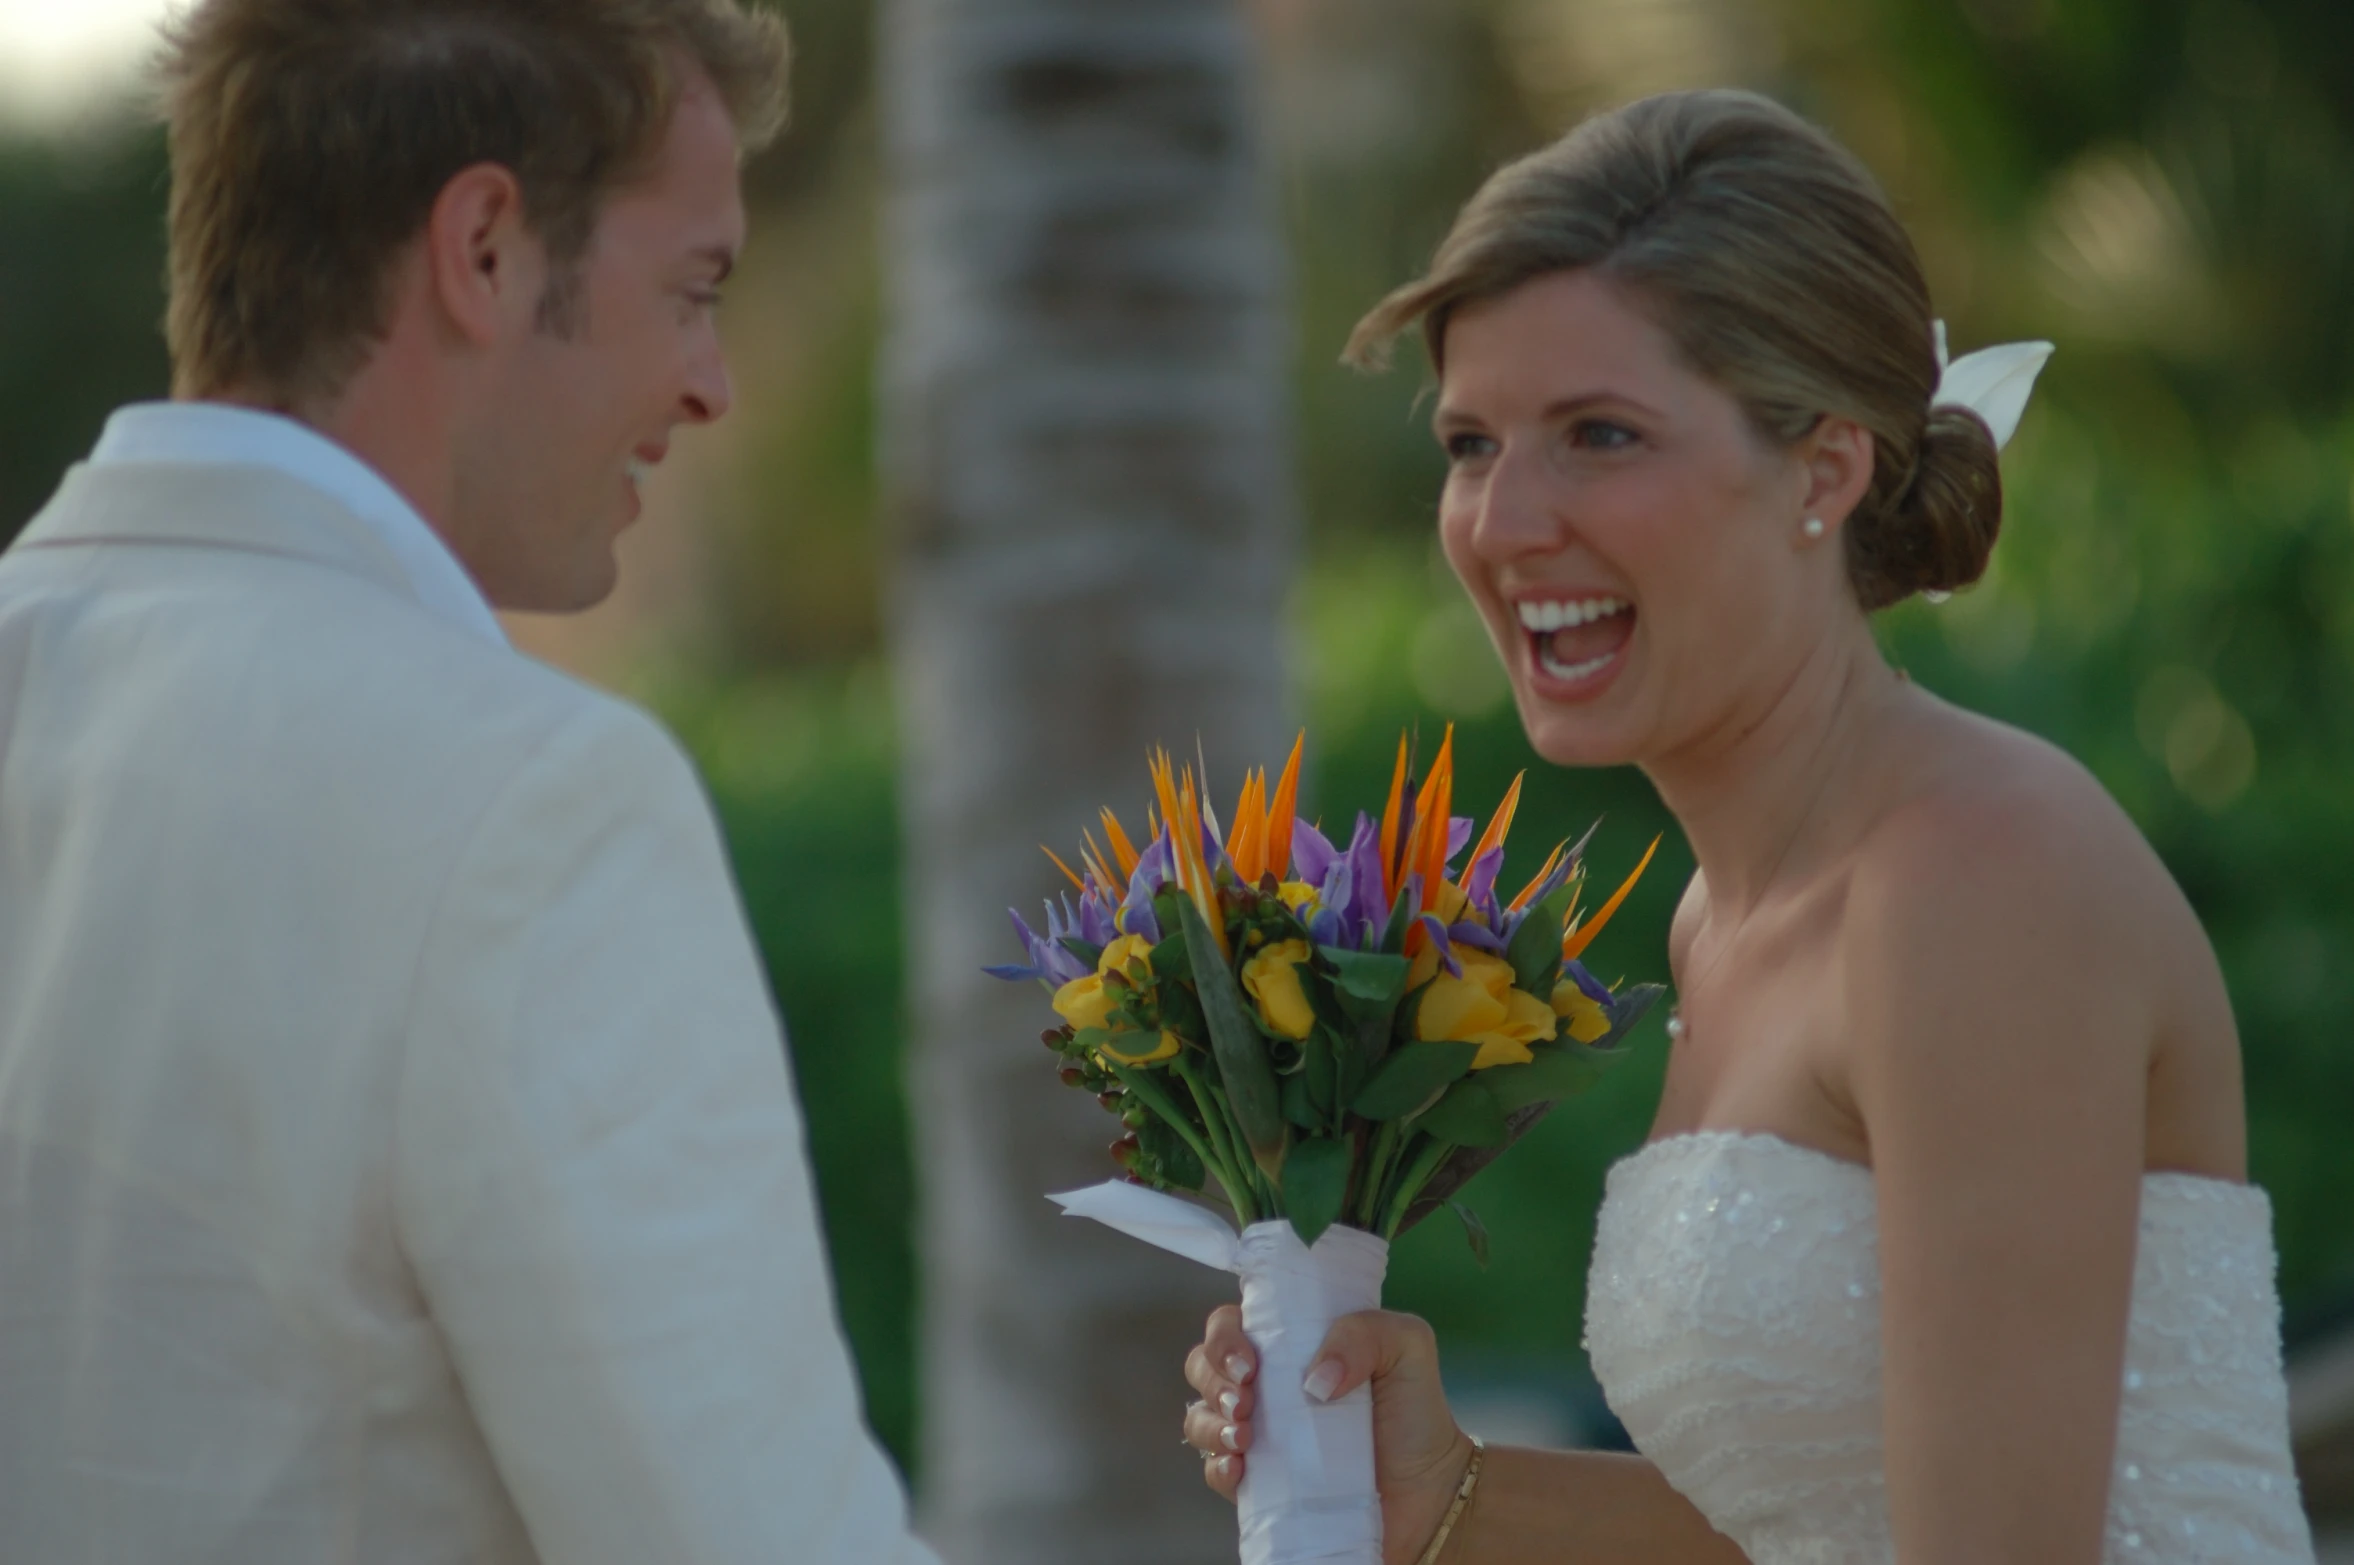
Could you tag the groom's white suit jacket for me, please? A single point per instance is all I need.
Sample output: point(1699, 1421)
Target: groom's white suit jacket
point(398, 1160)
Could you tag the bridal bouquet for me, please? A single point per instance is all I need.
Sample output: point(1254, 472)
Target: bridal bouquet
point(1336, 1039)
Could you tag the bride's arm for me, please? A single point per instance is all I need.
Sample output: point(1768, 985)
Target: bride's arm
point(1597, 1508)
point(2004, 970)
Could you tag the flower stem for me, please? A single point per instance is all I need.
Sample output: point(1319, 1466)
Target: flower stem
point(1149, 1093)
point(1426, 1162)
point(1377, 1163)
point(1235, 1174)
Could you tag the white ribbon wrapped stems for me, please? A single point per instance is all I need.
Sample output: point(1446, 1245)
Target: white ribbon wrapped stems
point(1308, 1496)
point(1993, 383)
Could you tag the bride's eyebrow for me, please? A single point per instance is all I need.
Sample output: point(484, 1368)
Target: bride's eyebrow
point(1588, 401)
point(1448, 416)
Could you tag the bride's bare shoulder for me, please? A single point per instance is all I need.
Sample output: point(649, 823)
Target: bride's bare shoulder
point(2006, 922)
point(1999, 853)
point(1979, 805)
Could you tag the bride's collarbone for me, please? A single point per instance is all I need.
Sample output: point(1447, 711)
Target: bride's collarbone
point(1772, 1070)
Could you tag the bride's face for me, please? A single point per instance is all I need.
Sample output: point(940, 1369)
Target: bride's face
point(1633, 545)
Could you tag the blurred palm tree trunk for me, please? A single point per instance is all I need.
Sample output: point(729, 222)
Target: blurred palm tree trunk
point(1086, 465)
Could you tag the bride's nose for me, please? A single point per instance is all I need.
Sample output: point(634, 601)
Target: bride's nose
point(1518, 508)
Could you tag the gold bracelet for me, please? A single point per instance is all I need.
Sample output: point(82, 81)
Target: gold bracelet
point(1438, 1540)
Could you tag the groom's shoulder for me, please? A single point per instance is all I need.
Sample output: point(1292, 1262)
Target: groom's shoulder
point(483, 713)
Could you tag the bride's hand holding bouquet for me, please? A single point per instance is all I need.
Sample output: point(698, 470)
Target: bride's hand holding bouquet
point(1334, 1039)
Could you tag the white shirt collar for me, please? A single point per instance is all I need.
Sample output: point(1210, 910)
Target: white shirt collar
point(215, 434)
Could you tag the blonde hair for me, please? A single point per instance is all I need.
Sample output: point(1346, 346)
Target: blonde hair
point(310, 139)
point(1770, 258)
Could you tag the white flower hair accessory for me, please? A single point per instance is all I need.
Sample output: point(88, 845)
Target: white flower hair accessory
point(1993, 383)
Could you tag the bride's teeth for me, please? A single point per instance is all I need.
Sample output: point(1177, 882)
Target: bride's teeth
point(638, 469)
point(1543, 618)
point(1560, 670)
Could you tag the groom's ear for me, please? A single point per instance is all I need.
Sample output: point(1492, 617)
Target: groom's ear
point(1837, 455)
point(485, 268)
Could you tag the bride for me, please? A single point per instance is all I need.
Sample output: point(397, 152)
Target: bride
point(1942, 1248)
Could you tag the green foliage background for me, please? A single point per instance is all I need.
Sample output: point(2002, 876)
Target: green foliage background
point(2163, 187)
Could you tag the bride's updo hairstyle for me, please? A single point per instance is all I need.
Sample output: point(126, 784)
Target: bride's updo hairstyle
point(1771, 260)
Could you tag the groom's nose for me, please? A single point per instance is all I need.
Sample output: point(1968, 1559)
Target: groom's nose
point(710, 390)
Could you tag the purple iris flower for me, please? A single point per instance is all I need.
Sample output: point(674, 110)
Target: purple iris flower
point(1468, 933)
point(1479, 887)
point(1048, 960)
point(1441, 941)
point(1312, 853)
point(1588, 984)
point(1364, 906)
point(1545, 888)
point(1458, 835)
point(1095, 918)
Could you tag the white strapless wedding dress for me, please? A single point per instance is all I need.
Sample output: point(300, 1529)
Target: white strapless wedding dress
point(1733, 1319)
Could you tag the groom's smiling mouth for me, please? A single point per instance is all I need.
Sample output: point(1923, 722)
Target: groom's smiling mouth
point(1575, 641)
point(635, 469)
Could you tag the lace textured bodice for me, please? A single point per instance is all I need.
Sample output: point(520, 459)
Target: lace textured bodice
point(1733, 1318)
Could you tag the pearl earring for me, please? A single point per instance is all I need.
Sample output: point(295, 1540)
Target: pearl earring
point(1813, 528)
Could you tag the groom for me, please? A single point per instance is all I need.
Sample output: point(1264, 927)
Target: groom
point(397, 1156)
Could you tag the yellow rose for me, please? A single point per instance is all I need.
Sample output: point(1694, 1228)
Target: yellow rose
point(1086, 1002)
point(1165, 1047)
point(1296, 894)
point(1083, 1003)
point(1483, 1007)
point(1273, 979)
point(1581, 1015)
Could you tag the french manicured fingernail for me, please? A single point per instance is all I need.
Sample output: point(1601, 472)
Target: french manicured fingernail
point(1322, 1381)
point(1225, 1466)
point(1226, 1438)
point(1228, 1401)
point(1238, 1369)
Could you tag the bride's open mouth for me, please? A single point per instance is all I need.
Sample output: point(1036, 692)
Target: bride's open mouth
point(1576, 643)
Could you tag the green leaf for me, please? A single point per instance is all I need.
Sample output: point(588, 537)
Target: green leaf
point(1626, 1009)
point(1467, 1116)
point(1370, 976)
point(1320, 1074)
point(1085, 950)
point(1411, 1077)
point(1298, 1105)
point(1393, 938)
point(1180, 1012)
point(1473, 1230)
point(1409, 1015)
point(1169, 959)
point(1535, 951)
point(1173, 1160)
point(1325, 1001)
point(1554, 1074)
point(1315, 1181)
point(1241, 1054)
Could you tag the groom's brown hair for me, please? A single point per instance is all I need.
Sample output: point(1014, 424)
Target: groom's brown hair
point(310, 139)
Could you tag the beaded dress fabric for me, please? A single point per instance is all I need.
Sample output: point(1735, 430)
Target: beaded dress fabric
point(1733, 1318)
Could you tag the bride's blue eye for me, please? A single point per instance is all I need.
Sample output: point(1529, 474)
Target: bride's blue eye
point(1600, 434)
point(1468, 447)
